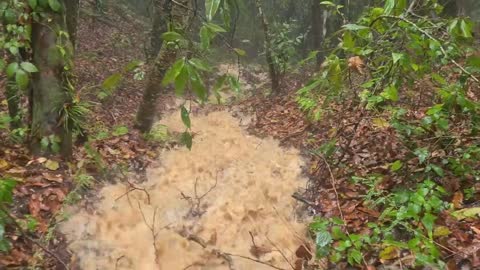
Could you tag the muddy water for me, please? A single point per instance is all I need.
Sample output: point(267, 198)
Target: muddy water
point(231, 188)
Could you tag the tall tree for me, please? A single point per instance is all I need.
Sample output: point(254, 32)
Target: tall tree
point(179, 13)
point(274, 74)
point(51, 91)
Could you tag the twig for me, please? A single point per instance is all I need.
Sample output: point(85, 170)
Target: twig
point(133, 188)
point(299, 197)
point(152, 228)
point(281, 253)
point(118, 259)
point(197, 200)
point(24, 234)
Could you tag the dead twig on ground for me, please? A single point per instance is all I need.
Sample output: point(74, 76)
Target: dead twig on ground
point(196, 201)
point(281, 252)
point(132, 187)
point(152, 228)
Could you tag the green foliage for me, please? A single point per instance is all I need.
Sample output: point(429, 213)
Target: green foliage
point(400, 49)
point(285, 44)
point(6, 195)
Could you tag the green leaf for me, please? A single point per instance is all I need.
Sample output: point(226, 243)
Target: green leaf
point(397, 57)
point(112, 82)
point(466, 29)
point(132, 65)
point(199, 64)
point(354, 27)
point(390, 93)
point(240, 52)
point(173, 72)
point(205, 37)
point(120, 131)
point(181, 82)
point(32, 3)
point(199, 87)
point(438, 170)
point(338, 234)
point(171, 36)
point(12, 69)
point(2, 64)
point(397, 165)
point(328, 3)
point(323, 239)
point(435, 109)
point(234, 84)
point(6, 189)
point(355, 255)
point(215, 28)
point(21, 78)
point(422, 154)
point(52, 165)
point(461, 214)
point(211, 8)
point(54, 5)
point(29, 67)
point(185, 116)
point(389, 6)
point(428, 221)
point(187, 140)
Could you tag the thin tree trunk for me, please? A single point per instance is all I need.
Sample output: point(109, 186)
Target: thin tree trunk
point(13, 100)
point(49, 94)
point(165, 59)
point(274, 77)
point(72, 14)
point(317, 29)
point(154, 89)
point(161, 18)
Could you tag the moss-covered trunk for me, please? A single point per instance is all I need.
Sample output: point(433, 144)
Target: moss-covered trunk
point(49, 93)
point(179, 18)
point(161, 18)
point(154, 89)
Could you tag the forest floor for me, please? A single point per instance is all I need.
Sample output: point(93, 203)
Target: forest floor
point(226, 203)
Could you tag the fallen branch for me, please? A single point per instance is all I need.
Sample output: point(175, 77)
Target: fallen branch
point(225, 255)
point(197, 200)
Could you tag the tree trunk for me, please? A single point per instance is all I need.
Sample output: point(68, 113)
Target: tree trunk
point(274, 77)
point(317, 29)
point(461, 8)
point(49, 92)
point(72, 13)
point(161, 18)
point(165, 59)
point(12, 94)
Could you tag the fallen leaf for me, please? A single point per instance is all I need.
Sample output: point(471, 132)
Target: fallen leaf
point(441, 231)
point(54, 178)
point(389, 253)
point(457, 200)
point(3, 164)
point(41, 160)
point(466, 213)
point(52, 165)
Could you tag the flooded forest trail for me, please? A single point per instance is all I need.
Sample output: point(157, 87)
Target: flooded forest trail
point(226, 204)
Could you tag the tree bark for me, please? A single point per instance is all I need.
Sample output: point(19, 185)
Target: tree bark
point(274, 77)
point(164, 60)
point(49, 90)
point(317, 30)
point(72, 14)
point(161, 18)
